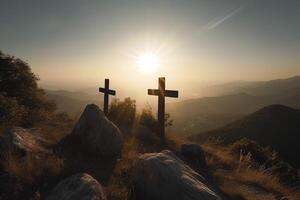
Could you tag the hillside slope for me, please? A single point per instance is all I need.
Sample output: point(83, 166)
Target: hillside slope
point(277, 126)
point(209, 113)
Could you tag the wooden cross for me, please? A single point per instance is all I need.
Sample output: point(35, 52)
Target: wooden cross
point(106, 92)
point(161, 92)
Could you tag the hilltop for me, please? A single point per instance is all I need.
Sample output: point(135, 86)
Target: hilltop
point(275, 125)
point(117, 155)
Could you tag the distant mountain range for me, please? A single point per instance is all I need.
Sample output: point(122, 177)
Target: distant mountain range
point(72, 102)
point(207, 113)
point(256, 88)
point(277, 126)
point(228, 102)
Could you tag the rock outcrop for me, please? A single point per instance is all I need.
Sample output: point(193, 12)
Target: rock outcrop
point(77, 187)
point(161, 176)
point(193, 154)
point(96, 133)
point(20, 142)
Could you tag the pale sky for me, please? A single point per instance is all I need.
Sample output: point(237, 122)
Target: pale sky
point(78, 43)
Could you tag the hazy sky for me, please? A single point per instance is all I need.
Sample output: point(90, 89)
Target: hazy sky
point(80, 42)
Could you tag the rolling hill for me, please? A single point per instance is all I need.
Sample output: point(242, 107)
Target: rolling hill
point(277, 126)
point(207, 113)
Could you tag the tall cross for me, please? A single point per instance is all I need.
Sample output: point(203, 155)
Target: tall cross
point(106, 92)
point(161, 92)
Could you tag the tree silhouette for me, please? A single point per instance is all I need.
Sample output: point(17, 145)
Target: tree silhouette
point(22, 102)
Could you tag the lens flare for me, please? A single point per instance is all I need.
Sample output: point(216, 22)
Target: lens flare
point(148, 62)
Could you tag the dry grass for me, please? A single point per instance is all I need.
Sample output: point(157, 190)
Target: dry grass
point(41, 164)
point(120, 181)
point(25, 176)
point(26, 173)
point(219, 157)
point(56, 129)
point(239, 179)
point(29, 168)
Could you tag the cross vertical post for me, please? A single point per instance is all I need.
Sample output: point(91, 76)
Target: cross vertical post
point(162, 93)
point(106, 92)
point(161, 107)
point(106, 85)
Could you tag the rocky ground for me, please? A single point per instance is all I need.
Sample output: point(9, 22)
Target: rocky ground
point(95, 160)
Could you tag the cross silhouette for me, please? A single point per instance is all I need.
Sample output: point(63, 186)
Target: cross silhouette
point(106, 92)
point(161, 92)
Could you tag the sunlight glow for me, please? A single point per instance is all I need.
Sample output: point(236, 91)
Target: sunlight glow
point(148, 62)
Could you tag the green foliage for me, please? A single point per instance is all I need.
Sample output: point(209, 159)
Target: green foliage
point(123, 112)
point(21, 101)
point(148, 119)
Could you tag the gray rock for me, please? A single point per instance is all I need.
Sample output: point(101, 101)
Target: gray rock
point(193, 153)
point(77, 187)
point(161, 176)
point(97, 134)
point(20, 142)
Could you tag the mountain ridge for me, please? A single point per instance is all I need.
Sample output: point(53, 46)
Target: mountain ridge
point(275, 125)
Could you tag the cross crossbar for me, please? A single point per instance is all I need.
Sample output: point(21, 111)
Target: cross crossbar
point(111, 92)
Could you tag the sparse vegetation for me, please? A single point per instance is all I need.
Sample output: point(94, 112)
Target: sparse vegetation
point(26, 175)
point(123, 113)
point(240, 177)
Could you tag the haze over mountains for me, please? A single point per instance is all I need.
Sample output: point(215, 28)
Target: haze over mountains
point(206, 113)
point(224, 103)
point(72, 102)
point(270, 87)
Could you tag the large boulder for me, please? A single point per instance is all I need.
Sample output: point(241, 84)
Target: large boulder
point(77, 187)
point(161, 176)
point(96, 133)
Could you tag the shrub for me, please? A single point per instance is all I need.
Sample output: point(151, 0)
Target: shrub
point(21, 101)
point(148, 119)
point(264, 157)
point(122, 113)
point(10, 111)
point(260, 155)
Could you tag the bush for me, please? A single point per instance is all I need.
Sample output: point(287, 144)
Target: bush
point(148, 119)
point(22, 103)
point(122, 113)
point(10, 111)
point(260, 155)
point(266, 158)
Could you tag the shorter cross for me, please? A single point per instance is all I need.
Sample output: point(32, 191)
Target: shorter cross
point(106, 92)
point(161, 92)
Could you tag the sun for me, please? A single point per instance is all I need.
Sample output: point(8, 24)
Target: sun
point(148, 62)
